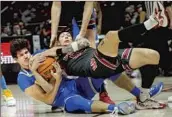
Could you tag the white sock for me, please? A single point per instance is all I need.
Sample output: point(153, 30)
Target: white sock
point(144, 94)
point(150, 23)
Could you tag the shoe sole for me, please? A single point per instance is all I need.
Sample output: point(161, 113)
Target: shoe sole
point(140, 108)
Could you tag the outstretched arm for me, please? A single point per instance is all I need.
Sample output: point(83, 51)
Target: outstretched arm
point(169, 12)
point(37, 93)
point(73, 47)
point(88, 9)
point(55, 18)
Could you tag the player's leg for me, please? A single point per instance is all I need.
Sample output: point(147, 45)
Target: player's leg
point(142, 95)
point(78, 103)
point(7, 94)
point(109, 45)
point(103, 94)
point(139, 56)
point(91, 29)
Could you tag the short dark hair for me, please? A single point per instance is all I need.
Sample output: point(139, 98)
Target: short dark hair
point(65, 29)
point(17, 45)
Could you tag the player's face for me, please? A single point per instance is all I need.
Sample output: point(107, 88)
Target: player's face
point(65, 39)
point(23, 57)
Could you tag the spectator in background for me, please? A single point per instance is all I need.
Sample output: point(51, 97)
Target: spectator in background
point(4, 32)
point(134, 13)
point(45, 35)
point(16, 30)
point(23, 29)
point(16, 17)
point(28, 14)
point(9, 28)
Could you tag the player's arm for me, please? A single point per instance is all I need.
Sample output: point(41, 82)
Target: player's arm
point(99, 16)
point(73, 47)
point(34, 63)
point(55, 18)
point(42, 82)
point(37, 93)
point(169, 11)
point(88, 9)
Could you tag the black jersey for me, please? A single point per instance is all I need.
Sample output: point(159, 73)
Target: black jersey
point(77, 63)
point(90, 63)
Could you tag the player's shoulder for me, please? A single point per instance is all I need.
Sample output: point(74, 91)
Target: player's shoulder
point(24, 75)
point(25, 79)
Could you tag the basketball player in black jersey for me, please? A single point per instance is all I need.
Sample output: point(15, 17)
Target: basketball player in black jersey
point(107, 60)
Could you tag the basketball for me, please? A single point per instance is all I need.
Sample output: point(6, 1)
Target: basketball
point(45, 68)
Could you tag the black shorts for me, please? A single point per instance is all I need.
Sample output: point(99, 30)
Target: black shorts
point(95, 65)
point(103, 66)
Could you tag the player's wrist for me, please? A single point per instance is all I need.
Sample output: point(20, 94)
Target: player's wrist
point(82, 33)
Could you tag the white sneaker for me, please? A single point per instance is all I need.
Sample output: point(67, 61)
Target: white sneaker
point(126, 108)
point(170, 99)
point(145, 102)
point(123, 108)
point(159, 14)
point(149, 104)
point(8, 98)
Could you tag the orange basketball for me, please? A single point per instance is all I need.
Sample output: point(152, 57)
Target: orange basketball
point(45, 68)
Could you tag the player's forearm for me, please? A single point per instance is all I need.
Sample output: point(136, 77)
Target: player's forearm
point(42, 82)
point(169, 12)
point(51, 52)
point(52, 94)
point(55, 17)
point(88, 9)
point(99, 14)
point(73, 47)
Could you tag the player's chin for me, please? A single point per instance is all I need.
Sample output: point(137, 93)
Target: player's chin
point(26, 63)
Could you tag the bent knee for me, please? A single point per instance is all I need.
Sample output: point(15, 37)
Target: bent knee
point(111, 34)
point(153, 55)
